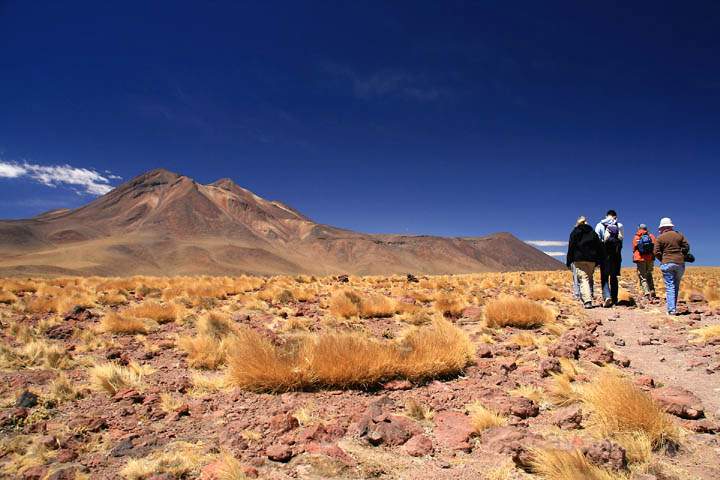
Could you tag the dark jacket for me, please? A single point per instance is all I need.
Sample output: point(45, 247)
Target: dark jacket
point(671, 247)
point(584, 246)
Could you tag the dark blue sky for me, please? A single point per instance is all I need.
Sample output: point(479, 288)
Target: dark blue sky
point(450, 118)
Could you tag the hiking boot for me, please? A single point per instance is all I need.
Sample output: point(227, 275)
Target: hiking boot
point(588, 305)
point(608, 303)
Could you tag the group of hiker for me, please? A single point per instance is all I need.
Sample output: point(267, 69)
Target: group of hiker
point(590, 248)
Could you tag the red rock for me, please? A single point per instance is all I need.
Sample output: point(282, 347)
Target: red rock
point(518, 406)
point(516, 442)
point(483, 350)
point(453, 430)
point(320, 433)
point(703, 425)
point(283, 422)
point(644, 381)
point(67, 473)
point(181, 411)
point(394, 430)
point(331, 450)
point(549, 365)
point(597, 355)
point(679, 402)
point(398, 385)
point(49, 442)
point(128, 394)
point(37, 472)
point(66, 456)
point(568, 418)
point(419, 446)
point(606, 454)
point(87, 424)
point(279, 452)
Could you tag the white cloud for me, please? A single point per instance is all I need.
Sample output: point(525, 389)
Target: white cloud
point(88, 181)
point(547, 243)
point(9, 170)
point(555, 254)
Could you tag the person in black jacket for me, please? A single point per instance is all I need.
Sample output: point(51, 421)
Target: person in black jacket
point(585, 252)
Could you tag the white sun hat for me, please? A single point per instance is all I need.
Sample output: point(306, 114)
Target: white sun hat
point(666, 222)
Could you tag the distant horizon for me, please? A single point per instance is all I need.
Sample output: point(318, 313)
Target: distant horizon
point(450, 119)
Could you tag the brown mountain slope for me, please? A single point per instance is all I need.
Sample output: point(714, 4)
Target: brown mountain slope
point(161, 223)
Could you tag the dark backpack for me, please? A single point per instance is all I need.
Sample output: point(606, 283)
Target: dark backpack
point(645, 244)
point(613, 243)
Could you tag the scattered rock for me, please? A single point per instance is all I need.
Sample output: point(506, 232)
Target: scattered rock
point(568, 418)
point(27, 399)
point(518, 406)
point(419, 446)
point(331, 450)
point(453, 430)
point(283, 422)
point(279, 453)
point(483, 350)
point(549, 365)
point(412, 278)
point(393, 430)
point(513, 441)
point(606, 454)
point(37, 472)
point(679, 402)
point(597, 355)
point(66, 456)
point(398, 385)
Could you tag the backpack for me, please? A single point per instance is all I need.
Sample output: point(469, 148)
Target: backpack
point(645, 244)
point(612, 241)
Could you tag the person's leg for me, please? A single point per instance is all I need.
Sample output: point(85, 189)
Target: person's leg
point(642, 277)
point(650, 265)
point(614, 287)
point(584, 272)
point(604, 279)
point(576, 284)
point(669, 278)
point(679, 272)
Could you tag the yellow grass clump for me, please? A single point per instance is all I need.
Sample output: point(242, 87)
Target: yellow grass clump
point(619, 407)
point(347, 304)
point(111, 377)
point(204, 351)
point(450, 305)
point(179, 459)
point(482, 418)
point(516, 312)
point(7, 297)
point(541, 292)
point(706, 334)
point(114, 323)
point(346, 360)
point(160, 312)
point(556, 464)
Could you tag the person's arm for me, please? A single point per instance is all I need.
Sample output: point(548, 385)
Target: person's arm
point(684, 245)
point(621, 231)
point(569, 258)
point(635, 242)
point(600, 231)
point(600, 248)
point(658, 250)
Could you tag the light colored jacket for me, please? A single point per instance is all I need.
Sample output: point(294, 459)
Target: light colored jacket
point(601, 228)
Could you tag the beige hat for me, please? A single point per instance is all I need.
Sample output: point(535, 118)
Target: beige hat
point(581, 219)
point(666, 222)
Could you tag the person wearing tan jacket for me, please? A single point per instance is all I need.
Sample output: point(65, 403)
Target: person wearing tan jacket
point(670, 249)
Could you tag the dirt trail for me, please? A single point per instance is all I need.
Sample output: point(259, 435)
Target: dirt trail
point(658, 345)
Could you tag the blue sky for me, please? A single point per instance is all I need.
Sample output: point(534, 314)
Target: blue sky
point(448, 118)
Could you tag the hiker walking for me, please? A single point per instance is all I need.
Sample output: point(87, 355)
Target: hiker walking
point(577, 295)
point(610, 232)
point(671, 249)
point(644, 258)
point(585, 252)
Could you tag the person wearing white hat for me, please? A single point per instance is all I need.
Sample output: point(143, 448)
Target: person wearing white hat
point(670, 249)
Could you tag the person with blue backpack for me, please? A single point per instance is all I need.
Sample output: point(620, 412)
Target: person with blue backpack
point(643, 247)
point(610, 232)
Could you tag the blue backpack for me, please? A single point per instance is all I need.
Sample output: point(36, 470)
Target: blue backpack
point(645, 244)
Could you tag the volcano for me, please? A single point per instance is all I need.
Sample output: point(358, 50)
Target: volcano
point(162, 223)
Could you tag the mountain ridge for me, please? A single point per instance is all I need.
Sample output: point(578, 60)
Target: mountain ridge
point(164, 223)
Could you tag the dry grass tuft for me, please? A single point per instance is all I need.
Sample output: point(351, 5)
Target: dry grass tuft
point(555, 464)
point(541, 292)
point(204, 351)
point(111, 377)
point(706, 334)
point(482, 418)
point(179, 459)
point(619, 407)
point(229, 468)
point(114, 323)
point(416, 410)
point(160, 312)
point(62, 390)
point(215, 325)
point(516, 312)
point(347, 304)
point(7, 297)
point(346, 360)
point(449, 305)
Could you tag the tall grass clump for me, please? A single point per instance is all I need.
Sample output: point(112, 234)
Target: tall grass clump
point(159, 312)
point(556, 464)
point(114, 323)
point(516, 312)
point(111, 377)
point(346, 359)
point(621, 409)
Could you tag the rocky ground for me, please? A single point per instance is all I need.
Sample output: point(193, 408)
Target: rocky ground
point(398, 430)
